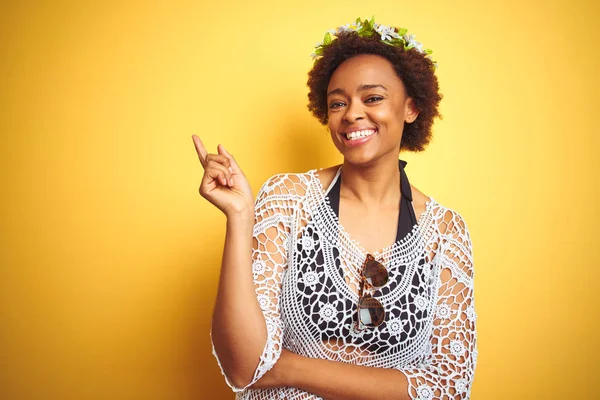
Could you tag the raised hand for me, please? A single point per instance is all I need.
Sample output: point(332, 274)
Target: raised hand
point(223, 184)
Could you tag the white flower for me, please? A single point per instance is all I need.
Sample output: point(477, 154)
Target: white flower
point(328, 312)
point(421, 302)
point(424, 392)
point(410, 41)
point(264, 301)
point(461, 385)
point(308, 243)
point(344, 28)
point(471, 315)
point(386, 32)
point(258, 267)
point(349, 27)
point(395, 326)
point(443, 311)
point(310, 278)
point(457, 348)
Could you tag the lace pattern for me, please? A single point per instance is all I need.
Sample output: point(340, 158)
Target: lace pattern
point(307, 270)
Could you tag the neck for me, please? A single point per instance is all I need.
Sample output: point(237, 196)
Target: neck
point(377, 184)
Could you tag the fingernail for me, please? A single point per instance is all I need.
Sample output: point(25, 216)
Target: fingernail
point(230, 170)
point(230, 181)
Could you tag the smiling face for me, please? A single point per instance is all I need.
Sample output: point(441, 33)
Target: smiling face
point(367, 108)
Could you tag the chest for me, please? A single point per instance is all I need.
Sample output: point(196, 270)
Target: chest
point(319, 301)
point(373, 229)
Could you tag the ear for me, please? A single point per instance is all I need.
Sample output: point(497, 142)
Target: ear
point(410, 110)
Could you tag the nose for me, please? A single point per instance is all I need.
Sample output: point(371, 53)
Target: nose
point(354, 112)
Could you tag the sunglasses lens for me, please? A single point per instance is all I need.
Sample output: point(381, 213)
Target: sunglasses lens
point(375, 273)
point(370, 312)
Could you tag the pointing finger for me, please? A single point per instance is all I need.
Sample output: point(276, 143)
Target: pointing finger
point(200, 149)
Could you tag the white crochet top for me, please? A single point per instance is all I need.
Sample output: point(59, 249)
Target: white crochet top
point(307, 273)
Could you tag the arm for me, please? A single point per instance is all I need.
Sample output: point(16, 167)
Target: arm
point(238, 329)
point(247, 310)
point(333, 380)
point(447, 374)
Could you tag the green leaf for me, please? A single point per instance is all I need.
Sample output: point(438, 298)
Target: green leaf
point(372, 21)
point(428, 51)
point(319, 51)
point(402, 31)
point(327, 40)
point(367, 28)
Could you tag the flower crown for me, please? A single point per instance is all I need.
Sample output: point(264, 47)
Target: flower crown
point(367, 28)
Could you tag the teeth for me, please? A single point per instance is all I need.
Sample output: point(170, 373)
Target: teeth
point(359, 134)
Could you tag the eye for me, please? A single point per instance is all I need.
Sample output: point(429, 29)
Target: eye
point(336, 104)
point(374, 99)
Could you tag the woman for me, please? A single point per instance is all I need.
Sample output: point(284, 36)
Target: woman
point(347, 283)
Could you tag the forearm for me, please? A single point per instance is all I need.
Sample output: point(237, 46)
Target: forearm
point(336, 380)
point(238, 326)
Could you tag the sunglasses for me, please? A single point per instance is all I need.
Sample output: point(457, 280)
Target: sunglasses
point(370, 310)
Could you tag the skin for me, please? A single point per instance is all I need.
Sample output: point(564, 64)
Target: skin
point(236, 311)
point(364, 92)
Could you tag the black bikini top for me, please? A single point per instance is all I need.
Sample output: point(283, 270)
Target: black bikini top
point(406, 217)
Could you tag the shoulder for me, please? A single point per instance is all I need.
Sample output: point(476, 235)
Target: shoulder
point(455, 242)
point(453, 231)
point(449, 221)
point(326, 175)
point(420, 201)
point(285, 185)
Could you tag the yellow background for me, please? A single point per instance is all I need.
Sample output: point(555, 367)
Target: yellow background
point(110, 258)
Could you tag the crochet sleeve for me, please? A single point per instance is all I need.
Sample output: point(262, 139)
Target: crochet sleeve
point(448, 372)
point(273, 211)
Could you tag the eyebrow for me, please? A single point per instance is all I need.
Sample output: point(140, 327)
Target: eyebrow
point(361, 88)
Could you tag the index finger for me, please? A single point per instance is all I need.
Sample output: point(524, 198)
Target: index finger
point(200, 149)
